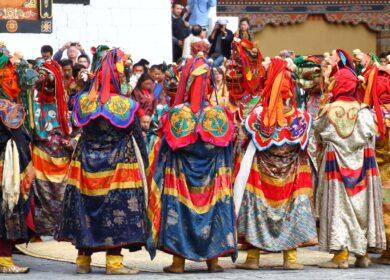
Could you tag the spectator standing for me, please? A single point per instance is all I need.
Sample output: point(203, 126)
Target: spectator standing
point(138, 69)
point(73, 49)
point(243, 31)
point(46, 52)
point(199, 10)
point(67, 75)
point(84, 60)
point(157, 74)
point(197, 35)
point(384, 58)
point(143, 94)
point(180, 31)
point(220, 39)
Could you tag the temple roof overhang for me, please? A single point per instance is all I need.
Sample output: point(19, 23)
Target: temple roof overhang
point(374, 13)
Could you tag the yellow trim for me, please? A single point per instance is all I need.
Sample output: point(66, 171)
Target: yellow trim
point(102, 174)
point(113, 186)
point(199, 209)
point(155, 192)
point(51, 178)
point(47, 157)
point(26, 170)
point(200, 189)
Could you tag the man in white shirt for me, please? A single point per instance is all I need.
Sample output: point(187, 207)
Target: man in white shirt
point(198, 34)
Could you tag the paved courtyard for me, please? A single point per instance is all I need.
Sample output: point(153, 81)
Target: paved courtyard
point(45, 269)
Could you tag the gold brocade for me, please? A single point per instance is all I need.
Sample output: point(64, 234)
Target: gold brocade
point(343, 115)
point(87, 105)
point(382, 150)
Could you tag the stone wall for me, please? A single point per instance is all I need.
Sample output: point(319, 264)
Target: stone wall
point(141, 27)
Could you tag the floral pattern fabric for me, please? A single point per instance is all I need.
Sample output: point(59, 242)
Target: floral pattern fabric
point(191, 203)
point(104, 202)
point(349, 197)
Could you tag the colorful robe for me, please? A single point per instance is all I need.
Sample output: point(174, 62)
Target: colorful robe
point(51, 159)
point(15, 222)
point(191, 198)
point(273, 187)
point(349, 198)
point(104, 202)
point(382, 152)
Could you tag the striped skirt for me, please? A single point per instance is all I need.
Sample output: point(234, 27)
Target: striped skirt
point(276, 212)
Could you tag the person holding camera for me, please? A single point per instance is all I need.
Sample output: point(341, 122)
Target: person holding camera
point(73, 49)
point(220, 39)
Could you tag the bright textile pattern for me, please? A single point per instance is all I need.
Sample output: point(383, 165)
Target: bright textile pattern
point(348, 179)
point(104, 202)
point(119, 110)
point(51, 163)
point(50, 154)
point(191, 198)
point(273, 187)
point(276, 213)
point(13, 225)
point(382, 149)
point(191, 205)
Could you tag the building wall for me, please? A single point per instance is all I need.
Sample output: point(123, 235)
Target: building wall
point(383, 40)
point(315, 36)
point(141, 27)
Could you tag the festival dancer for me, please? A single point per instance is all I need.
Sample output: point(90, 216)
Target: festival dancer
point(104, 205)
point(16, 170)
point(190, 202)
point(376, 92)
point(245, 80)
point(51, 149)
point(349, 193)
point(273, 187)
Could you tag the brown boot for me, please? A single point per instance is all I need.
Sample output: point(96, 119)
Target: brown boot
point(384, 258)
point(363, 261)
point(339, 261)
point(252, 260)
point(290, 260)
point(177, 265)
point(213, 265)
point(114, 266)
point(7, 266)
point(381, 260)
point(83, 264)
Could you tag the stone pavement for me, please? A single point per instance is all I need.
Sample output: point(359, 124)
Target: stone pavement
point(42, 269)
